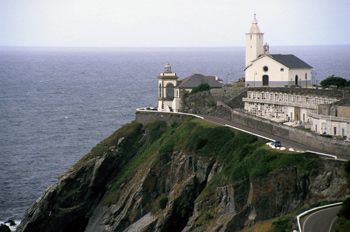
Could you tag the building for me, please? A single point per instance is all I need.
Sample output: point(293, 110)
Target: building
point(283, 107)
point(265, 69)
point(332, 119)
point(171, 91)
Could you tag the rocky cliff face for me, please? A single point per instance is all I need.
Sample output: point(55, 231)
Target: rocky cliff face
point(154, 178)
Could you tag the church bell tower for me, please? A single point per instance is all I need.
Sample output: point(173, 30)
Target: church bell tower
point(254, 43)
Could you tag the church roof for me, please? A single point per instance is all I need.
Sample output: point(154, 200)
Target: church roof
point(196, 79)
point(290, 61)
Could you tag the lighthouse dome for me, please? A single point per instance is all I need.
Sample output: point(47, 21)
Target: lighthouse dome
point(167, 68)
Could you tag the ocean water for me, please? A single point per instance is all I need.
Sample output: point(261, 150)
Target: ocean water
point(58, 103)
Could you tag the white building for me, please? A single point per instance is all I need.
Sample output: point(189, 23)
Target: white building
point(265, 69)
point(331, 119)
point(171, 90)
point(285, 106)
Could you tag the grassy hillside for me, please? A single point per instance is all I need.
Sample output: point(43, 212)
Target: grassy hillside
point(242, 154)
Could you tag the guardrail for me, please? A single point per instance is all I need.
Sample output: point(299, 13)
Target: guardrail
point(314, 209)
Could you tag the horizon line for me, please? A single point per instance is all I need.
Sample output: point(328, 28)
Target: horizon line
point(160, 47)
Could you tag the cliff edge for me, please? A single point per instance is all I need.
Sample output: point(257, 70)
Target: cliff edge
point(189, 175)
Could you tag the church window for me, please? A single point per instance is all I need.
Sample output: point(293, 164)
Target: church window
point(170, 91)
point(282, 69)
point(160, 90)
point(265, 68)
point(265, 80)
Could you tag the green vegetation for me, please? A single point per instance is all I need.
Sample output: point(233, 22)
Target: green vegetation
point(282, 224)
point(288, 223)
point(337, 81)
point(110, 142)
point(162, 202)
point(200, 88)
point(243, 155)
point(205, 218)
point(343, 223)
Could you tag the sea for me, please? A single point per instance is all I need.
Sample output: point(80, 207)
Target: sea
point(56, 104)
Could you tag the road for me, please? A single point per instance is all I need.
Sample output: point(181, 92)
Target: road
point(285, 142)
point(320, 221)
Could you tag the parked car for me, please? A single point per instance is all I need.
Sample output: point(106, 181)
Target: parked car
point(277, 143)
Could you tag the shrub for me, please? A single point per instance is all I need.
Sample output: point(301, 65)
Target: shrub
point(162, 202)
point(200, 88)
point(345, 209)
point(282, 225)
point(332, 80)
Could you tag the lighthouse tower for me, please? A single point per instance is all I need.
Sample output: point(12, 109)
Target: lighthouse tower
point(254, 43)
point(167, 81)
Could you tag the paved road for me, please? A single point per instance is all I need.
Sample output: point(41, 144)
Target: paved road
point(286, 143)
point(320, 221)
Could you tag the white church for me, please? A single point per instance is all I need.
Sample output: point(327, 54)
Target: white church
point(274, 70)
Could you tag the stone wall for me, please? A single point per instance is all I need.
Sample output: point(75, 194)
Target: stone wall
point(145, 117)
point(343, 111)
point(327, 145)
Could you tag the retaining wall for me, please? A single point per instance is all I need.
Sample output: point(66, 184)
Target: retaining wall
point(332, 146)
point(145, 117)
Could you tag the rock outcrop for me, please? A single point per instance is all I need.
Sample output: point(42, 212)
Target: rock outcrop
point(133, 181)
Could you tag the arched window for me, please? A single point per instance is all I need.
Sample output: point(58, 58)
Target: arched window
point(296, 79)
point(160, 90)
point(282, 69)
point(265, 80)
point(170, 91)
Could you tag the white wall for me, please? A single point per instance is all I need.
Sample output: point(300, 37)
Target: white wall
point(276, 76)
point(254, 47)
point(301, 77)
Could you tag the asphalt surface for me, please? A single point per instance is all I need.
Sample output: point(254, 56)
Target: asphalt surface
point(285, 142)
point(320, 221)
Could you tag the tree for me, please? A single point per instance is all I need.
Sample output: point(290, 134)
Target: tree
point(201, 87)
point(332, 80)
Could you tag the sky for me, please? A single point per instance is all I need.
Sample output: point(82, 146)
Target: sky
point(171, 23)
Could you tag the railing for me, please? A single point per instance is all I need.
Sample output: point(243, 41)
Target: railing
point(280, 102)
point(326, 117)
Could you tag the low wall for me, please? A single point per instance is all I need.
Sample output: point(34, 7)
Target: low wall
point(332, 146)
point(146, 116)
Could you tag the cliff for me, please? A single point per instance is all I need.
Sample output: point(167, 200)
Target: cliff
point(183, 176)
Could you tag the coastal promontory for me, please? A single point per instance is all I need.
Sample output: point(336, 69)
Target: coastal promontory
point(180, 173)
